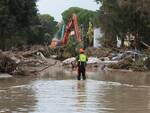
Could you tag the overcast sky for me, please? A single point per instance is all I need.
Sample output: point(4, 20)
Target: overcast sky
point(56, 7)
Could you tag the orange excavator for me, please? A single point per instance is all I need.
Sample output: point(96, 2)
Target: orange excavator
point(73, 23)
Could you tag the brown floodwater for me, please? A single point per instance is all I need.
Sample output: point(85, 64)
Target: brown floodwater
point(59, 92)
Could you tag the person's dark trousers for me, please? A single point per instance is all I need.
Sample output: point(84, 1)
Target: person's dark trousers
point(81, 72)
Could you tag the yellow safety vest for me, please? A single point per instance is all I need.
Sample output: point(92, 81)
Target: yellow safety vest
point(82, 58)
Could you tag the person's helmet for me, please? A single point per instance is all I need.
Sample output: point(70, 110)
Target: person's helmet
point(81, 50)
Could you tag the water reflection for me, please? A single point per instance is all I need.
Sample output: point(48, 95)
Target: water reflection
point(17, 95)
point(126, 99)
point(134, 78)
point(81, 96)
point(60, 92)
point(124, 77)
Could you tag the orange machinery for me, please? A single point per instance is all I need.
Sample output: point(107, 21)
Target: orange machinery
point(73, 23)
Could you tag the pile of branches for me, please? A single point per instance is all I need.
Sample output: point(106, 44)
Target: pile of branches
point(23, 62)
point(123, 64)
point(139, 65)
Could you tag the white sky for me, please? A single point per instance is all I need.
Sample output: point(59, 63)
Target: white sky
point(56, 7)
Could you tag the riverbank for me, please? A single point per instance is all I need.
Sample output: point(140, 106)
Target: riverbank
point(32, 61)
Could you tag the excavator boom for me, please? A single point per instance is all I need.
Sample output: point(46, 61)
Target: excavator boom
point(73, 23)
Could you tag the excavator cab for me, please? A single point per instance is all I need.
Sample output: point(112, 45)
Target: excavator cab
point(56, 43)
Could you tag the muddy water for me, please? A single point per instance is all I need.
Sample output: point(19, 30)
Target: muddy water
point(59, 92)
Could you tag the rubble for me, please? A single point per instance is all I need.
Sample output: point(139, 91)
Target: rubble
point(7, 64)
point(123, 64)
point(93, 60)
point(131, 60)
point(33, 60)
point(71, 62)
point(26, 62)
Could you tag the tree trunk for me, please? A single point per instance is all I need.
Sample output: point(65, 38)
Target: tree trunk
point(122, 40)
point(137, 41)
point(2, 38)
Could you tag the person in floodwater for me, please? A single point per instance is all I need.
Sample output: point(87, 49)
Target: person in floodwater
point(81, 59)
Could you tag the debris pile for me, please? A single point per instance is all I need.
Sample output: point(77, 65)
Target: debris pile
point(24, 62)
point(7, 64)
point(92, 61)
point(69, 61)
point(123, 64)
point(131, 61)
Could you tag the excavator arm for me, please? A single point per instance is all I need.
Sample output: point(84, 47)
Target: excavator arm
point(73, 23)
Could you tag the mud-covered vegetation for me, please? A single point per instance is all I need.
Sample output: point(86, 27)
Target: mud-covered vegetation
point(141, 64)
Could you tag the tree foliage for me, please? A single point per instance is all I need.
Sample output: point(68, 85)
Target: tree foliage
point(21, 25)
point(122, 17)
point(16, 18)
point(84, 16)
point(48, 24)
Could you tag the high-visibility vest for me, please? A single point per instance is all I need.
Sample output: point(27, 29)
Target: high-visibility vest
point(82, 58)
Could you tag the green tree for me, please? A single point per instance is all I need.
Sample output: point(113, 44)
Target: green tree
point(48, 24)
point(84, 16)
point(122, 17)
point(17, 18)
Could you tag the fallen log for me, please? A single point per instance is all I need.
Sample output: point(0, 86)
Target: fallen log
point(29, 53)
point(145, 44)
point(25, 71)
